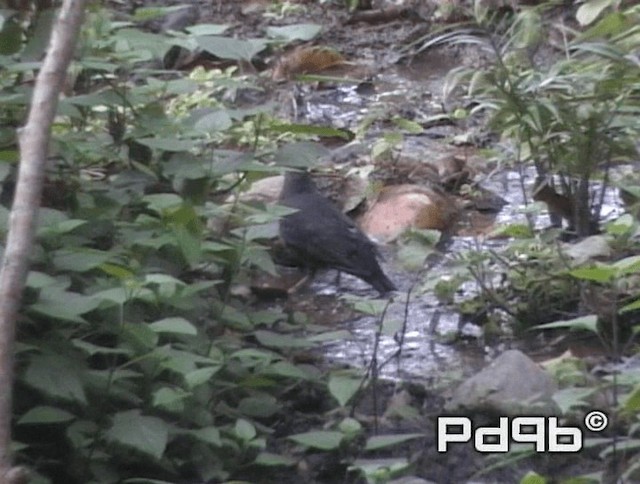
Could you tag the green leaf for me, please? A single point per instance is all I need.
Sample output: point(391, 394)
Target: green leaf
point(64, 305)
point(148, 435)
point(269, 459)
point(162, 201)
point(599, 273)
point(572, 397)
point(174, 325)
point(381, 441)
point(287, 370)
point(92, 349)
point(167, 397)
point(207, 29)
point(320, 439)
point(234, 49)
point(343, 386)
point(591, 9)
point(277, 340)
point(200, 376)
point(56, 377)
point(214, 121)
point(631, 402)
point(46, 415)
point(409, 126)
point(631, 306)
point(628, 265)
point(167, 144)
point(589, 323)
point(140, 335)
point(79, 259)
point(245, 430)
point(293, 32)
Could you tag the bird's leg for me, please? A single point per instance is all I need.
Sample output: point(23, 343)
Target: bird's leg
point(337, 280)
point(310, 274)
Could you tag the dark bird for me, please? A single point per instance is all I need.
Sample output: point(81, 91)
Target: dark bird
point(322, 236)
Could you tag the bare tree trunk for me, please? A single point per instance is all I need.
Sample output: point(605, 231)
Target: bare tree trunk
point(34, 142)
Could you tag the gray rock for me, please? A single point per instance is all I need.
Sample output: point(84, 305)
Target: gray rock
point(511, 385)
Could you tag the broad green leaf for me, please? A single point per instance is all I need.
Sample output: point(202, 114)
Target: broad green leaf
point(38, 280)
point(140, 335)
point(293, 32)
point(80, 259)
point(207, 29)
point(234, 49)
point(175, 325)
point(572, 397)
point(167, 397)
point(381, 441)
point(200, 376)
point(245, 430)
point(320, 439)
point(148, 435)
point(117, 271)
point(591, 9)
point(56, 377)
point(214, 121)
point(599, 273)
point(46, 415)
point(64, 305)
point(343, 386)
point(162, 201)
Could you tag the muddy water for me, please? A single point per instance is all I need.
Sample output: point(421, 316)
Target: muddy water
point(412, 340)
point(413, 337)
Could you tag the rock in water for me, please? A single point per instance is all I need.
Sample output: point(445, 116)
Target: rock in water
point(324, 237)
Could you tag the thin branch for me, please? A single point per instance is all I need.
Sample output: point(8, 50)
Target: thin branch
point(34, 143)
